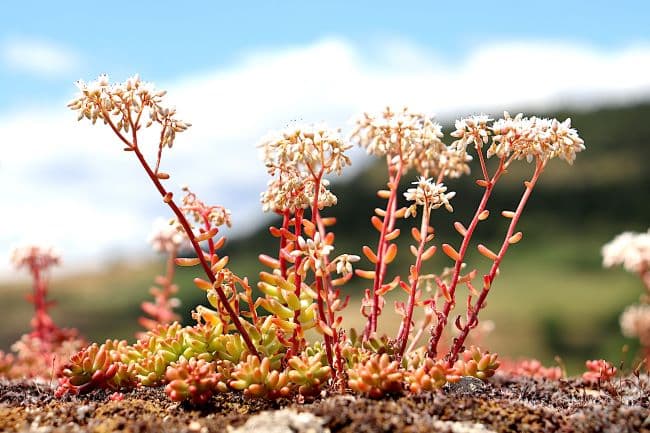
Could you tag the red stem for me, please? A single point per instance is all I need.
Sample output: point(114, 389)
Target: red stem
point(286, 216)
point(295, 340)
point(199, 252)
point(489, 278)
point(449, 304)
point(405, 328)
point(380, 266)
point(167, 197)
point(40, 307)
point(186, 226)
point(321, 316)
point(315, 216)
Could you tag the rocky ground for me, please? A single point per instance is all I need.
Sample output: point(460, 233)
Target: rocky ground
point(503, 405)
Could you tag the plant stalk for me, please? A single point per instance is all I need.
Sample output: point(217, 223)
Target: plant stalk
point(472, 319)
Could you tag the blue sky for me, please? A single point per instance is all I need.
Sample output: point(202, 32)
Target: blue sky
point(237, 70)
point(166, 39)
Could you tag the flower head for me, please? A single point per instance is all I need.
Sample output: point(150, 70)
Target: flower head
point(635, 322)
point(472, 130)
point(165, 237)
point(412, 138)
point(630, 249)
point(344, 263)
point(314, 251)
point(37, 256)
point(519, 137)
point(123, 105)
point(429, 194)
point(305, 148)
point(296, 193)
point(298, 158)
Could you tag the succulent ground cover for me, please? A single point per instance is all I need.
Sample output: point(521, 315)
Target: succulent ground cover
point(280, 341)
point(505, 404)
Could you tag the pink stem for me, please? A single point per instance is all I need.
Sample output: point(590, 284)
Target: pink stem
point(489, 278)
point(380, 266)
point(295, 340)
point(321, 316)
point(405, 328)
point(40, 307)
point(167, 197)
point(283, 242)
point(315, 217)
point(197, 248)
point(449, 304)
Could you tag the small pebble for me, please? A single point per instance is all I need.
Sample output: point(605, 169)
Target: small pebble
point(83, 411)
point(466, 385)
point(195, 426)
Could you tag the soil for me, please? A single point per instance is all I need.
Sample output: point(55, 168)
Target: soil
point(506, 404)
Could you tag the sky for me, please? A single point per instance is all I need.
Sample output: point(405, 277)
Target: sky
point(239, 69)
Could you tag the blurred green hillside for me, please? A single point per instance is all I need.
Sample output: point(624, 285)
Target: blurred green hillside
point(552, 297)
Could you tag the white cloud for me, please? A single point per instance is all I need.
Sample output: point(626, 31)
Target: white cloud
point(38, 57)
point(70, 183)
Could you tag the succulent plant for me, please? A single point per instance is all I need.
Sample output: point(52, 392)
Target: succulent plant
point(599, 371)
point(96, 367)
point(291, 312)
point(481, 365)
point(196, 380)
point(231, 346)
point(531, 368)
point(309, 373)
point(266, 338)
point(376, 377)
point(150, 357)
point(257, 379)
point(430, 375)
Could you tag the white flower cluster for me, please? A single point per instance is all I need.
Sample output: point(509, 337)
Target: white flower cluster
point(630, 249)
point(296, 193)
point(344, 262)
point(295, 157)
point(165, 237)
point(315, 252)
point(428, 194)
point(635, 322)
point(125, 104)
point(35, 256)
point(519, 137)
point(412, 138)
point(305, 148)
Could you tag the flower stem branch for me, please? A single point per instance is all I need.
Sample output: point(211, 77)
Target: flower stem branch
point(472, 319)
point(414, 278)
point(320, 288)
point(286, 217)
point(395, 174)
point(450, 302)
point(168, 198)
point(296, 337)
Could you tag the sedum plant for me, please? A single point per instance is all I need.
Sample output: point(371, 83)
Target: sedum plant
point(197, 380)
point(262, 344)
point(41, 352)
point(632, 251)
point(377, 376)
point(531, 368)
point(598, 371)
